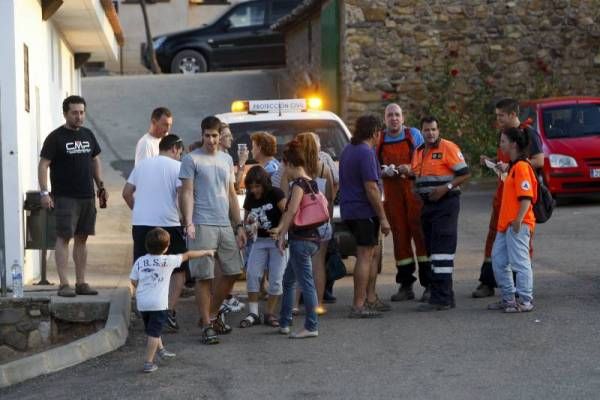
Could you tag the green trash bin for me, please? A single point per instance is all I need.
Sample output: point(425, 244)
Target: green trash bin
point(40, 223)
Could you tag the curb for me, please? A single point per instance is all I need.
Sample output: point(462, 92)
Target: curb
point(111, 337)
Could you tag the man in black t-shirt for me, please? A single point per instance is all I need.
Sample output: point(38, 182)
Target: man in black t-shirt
point(507, 116)
point(71, 152)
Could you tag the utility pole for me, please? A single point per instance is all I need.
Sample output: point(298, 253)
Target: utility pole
point(149, 46)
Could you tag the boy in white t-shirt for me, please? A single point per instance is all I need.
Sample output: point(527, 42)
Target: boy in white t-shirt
point(150, 276)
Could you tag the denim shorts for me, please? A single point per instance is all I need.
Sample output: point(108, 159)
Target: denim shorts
point(154, 322)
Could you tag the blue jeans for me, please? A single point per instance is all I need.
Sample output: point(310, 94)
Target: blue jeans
point(299, 268)
point(511, 253)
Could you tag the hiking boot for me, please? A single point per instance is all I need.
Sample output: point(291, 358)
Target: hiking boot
point(363, 312)
point(150, 367)
point(426, 296)
point(404, 293)
point(172, 320)
point(85, 289)
point(434, 307)
point(209, 336)
point(482, 291)
point(378, 305)
point(165, 354)
point(66, 291)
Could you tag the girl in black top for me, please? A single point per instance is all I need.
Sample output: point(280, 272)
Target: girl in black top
point(263, 208)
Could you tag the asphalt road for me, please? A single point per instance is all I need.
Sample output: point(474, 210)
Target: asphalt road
point(465, 353)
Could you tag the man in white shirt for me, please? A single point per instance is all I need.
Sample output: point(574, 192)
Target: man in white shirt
point(152, 192)
point(160, 125)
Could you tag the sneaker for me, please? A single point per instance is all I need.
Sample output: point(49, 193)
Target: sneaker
point(165, 354)
point(284, 330)
point(518, 307)
point(172, 320)
point(304, 334)
point(426, 296)
point(234, 304)
point(85, 289)
point(363, 312)
point(404, 293)
point(220, 326)
point(378, 305)
point(426, 307)
point(150, 367)
point(501, 305)
point(66, 291)
point(209, 336)
point(483, 291)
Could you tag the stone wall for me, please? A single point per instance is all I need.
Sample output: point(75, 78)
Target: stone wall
point(303, 57)
point(25, 324)
point(394, 49)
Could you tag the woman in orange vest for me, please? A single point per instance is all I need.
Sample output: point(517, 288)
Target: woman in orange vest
point(516, 223)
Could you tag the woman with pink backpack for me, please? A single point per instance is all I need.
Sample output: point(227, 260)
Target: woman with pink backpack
point(305, 211)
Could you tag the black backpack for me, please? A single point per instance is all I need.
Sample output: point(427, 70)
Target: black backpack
point(543, 207)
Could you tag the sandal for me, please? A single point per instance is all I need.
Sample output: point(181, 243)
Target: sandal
point(250, 320)
point(271, 320)
point(220, 326)
point(209, 336)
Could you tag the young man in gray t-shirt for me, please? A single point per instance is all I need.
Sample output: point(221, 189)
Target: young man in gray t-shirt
point(208, 201)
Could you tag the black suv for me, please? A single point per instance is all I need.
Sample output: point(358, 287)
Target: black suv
point(240, 38)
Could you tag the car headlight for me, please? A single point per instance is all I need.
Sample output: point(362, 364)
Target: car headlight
point(156, 43)
point(562, 161)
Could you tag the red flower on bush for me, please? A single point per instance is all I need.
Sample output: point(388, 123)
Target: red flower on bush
point(386, 96)
point(454, 72)
point(418, 68)
point(453, 53)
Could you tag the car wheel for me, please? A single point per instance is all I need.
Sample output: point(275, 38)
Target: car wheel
point(188, 62)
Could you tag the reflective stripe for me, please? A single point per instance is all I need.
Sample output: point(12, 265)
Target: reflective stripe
point(404, 261)
point(442, 270)
point(487, 259)
point(442, 257)
point(459, 166)
point(422, 259)
point(434, 178)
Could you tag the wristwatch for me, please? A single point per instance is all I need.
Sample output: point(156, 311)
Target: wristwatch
point(44, 193)
point(450, 186)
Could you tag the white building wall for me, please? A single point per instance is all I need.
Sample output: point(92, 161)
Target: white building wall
point(51, 78)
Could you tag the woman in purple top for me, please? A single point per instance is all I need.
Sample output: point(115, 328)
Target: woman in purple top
point(362, 211)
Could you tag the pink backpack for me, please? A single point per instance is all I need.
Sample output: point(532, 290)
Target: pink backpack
point(313, 211)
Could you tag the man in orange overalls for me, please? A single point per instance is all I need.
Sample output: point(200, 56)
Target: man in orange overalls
point(402, 205)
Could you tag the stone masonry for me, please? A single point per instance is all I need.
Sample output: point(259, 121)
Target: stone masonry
point(25, 324)
point(393, 49)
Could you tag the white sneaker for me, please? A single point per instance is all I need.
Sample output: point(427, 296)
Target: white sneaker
point(233, 304)
point(285, 330)
point(304, 334)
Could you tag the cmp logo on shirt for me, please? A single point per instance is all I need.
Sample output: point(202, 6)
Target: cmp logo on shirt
point(525, 185)
point(78, 147)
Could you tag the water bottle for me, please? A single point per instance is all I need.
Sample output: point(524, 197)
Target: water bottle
point(17, 279)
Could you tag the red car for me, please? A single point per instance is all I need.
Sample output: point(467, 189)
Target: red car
point(570, 133)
